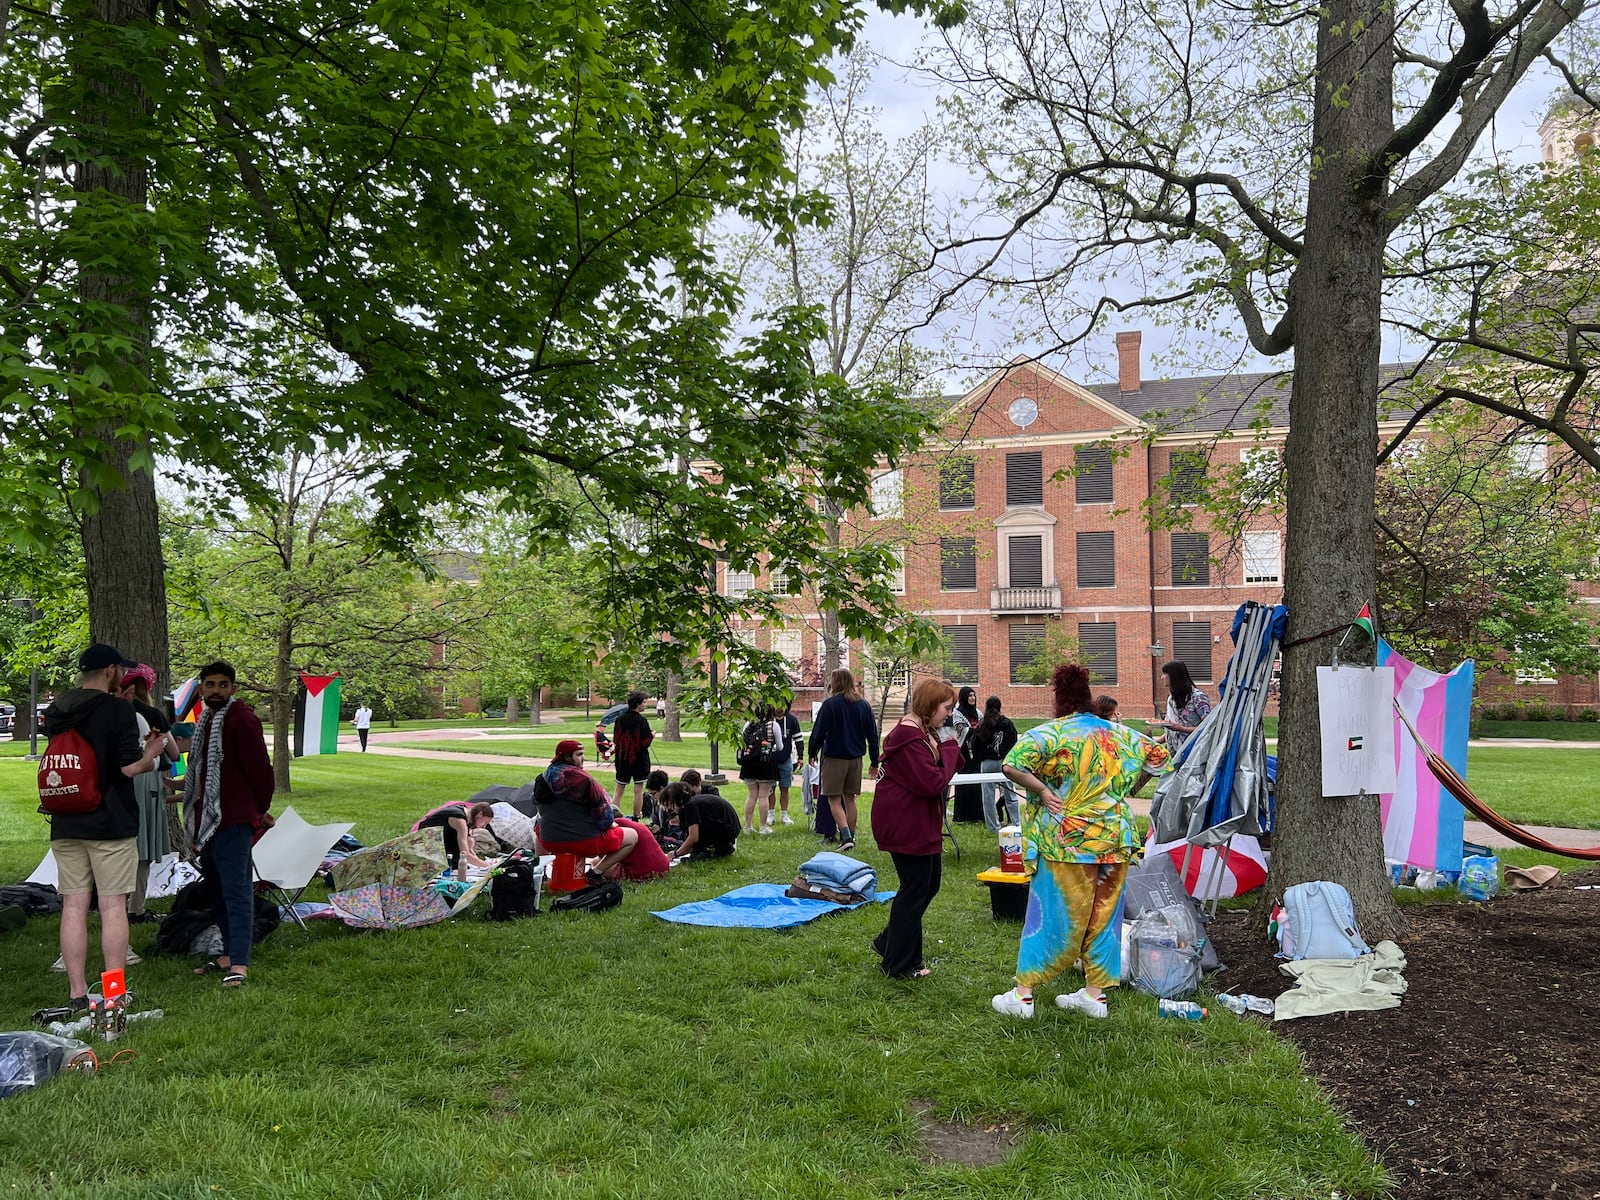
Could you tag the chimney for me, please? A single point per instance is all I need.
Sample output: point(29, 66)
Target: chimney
point(1128, 361)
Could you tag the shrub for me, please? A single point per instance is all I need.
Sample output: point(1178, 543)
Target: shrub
point(1588, 714)
point(1538, 710)
point(1489, 712)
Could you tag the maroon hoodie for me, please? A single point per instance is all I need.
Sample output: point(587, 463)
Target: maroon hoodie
point(908, 802)
point(247, 781)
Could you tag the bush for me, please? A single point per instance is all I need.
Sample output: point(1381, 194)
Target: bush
point(1538, 710)
point(1489, 712)
point(1588, 714)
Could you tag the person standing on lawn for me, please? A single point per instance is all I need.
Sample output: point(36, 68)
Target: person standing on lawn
point(843, 731)
point(796, 746)
point(921, 754)
point(148, 789)
point(363, 721)
point(1080, 832)
point(632, 753)
point(1187, 706)
point(98, 850)
point(992, 740)
point(227, 792)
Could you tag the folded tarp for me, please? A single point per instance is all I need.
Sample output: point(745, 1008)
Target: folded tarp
point(756, 906)
point(841, 873)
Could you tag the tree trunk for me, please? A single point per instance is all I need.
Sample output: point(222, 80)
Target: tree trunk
point(124, 576)
point(283, 689)
point(535, 707)
point(672, 728)
point(511, 710)
point(1332, 452)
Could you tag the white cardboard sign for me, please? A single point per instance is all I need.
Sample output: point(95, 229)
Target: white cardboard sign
point(1356, 707)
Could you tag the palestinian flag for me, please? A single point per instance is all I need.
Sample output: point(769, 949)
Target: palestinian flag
point(316, 715)
point(1363, 622)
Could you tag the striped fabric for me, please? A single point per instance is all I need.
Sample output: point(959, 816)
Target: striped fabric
point(1424, 825)
point(316, 715)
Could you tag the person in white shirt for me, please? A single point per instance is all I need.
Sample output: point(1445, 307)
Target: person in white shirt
point(363, 724)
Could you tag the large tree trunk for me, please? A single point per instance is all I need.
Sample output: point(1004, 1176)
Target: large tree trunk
point(830, 616)
point(1332, 451)
point(536, 707)
point(511, 709)
point(672, 726)
point(283, 690)
point(123, 571)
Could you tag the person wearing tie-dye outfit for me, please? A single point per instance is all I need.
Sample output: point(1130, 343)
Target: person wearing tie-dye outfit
point(1079, 771)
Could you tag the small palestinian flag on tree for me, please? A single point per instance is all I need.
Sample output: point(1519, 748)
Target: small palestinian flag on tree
point(316, 715)
point(1363, 622)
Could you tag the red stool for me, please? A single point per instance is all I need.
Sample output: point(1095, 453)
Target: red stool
point(566, 874)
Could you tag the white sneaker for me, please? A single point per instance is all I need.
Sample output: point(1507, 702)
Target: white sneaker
point(1081, 1001)
point(1012, 1005)
point(60, 964)
point(787, 819)
point(133, 959)
point(766, 829)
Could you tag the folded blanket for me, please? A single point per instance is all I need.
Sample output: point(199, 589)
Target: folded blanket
point(841, 873)
point(1330, 985)
point(803, 889)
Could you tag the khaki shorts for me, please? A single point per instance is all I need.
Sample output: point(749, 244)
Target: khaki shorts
point(83, 864)
point(841, 776)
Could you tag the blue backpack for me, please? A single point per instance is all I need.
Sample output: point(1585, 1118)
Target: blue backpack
point(1320, 923)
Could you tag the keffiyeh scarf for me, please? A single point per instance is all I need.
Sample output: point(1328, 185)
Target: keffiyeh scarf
point(203, 805)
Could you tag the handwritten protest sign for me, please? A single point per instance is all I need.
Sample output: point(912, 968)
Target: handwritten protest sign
point(1356, 706)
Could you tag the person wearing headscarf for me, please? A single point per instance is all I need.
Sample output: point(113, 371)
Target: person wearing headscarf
point(1080, 835)
point(966, 717)
point(575, 813)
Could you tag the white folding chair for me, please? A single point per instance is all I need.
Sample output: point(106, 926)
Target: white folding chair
point(288, 855)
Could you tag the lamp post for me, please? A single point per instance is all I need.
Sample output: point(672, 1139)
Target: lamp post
point(1157, 653)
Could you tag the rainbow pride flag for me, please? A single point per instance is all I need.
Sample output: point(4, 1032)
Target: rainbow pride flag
point(1423, 824)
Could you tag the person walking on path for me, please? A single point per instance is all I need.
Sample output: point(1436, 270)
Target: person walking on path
point(227, 793)
point(632, 752)
point(1187, 706)
point(992, 740)
point(1081, 835)
point(363, 724)
point(921, 754)
point(843, 731)
point(97, 850)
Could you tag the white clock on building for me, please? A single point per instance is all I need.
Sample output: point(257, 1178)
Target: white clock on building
point(1023, 412)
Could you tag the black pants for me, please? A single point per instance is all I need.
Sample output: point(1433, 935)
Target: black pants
point(900, 943)
point(362, 734)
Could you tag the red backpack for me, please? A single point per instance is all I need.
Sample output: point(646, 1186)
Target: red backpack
point(69, 775)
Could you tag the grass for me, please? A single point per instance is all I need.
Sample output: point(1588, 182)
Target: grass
point(1553, 731)
point(615, 1055)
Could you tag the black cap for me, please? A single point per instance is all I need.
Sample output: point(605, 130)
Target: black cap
point(100, 656)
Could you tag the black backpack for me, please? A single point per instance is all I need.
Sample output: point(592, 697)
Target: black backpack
point(597, 897)
point(514, 892)
point(761, 747)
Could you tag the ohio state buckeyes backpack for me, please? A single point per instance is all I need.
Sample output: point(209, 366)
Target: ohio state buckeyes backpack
point(69, 775)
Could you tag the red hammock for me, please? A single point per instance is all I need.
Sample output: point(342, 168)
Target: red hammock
point(1457, 787)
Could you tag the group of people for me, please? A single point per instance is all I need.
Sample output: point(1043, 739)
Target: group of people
point(107, 851)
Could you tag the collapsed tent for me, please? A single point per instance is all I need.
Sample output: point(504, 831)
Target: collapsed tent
point(391, 885)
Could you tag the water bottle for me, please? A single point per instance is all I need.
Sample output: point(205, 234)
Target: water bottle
point(1234, 1004)
point(1184, 1010)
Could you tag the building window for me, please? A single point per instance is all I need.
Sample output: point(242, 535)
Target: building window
point(1260, 473)
point(1186, 477)
point(1262, 563)
point(1025, 557)
point(787, 642)
point(897, 576)
point(1191, 560)
point(741, 583)
point(958, 565)
point(1097, 560)
point(1025, 643)
point(1092, 465)
point(888, 491)
point(1191, 645)
point(783, 584)
point(963, 640)
point(1097, 642)
point(958, 487)
point(1528, 456)
point(1025, 479)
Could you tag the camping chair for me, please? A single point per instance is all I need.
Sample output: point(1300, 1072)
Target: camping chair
point(288, 855)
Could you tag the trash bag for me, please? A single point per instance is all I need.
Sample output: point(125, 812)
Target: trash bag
point(28, 1058)
point(1165, 946)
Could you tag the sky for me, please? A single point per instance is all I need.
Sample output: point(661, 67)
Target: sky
point(907, 99)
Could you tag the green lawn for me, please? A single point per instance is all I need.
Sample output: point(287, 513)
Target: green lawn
point(614, 1055)
point(1554, 731)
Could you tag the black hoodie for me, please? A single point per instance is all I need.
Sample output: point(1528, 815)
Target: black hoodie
point(108, 724)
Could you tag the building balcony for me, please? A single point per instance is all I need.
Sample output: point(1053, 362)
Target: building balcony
point(1025, 599)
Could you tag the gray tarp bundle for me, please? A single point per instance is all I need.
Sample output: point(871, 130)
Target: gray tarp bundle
point(1218, 784)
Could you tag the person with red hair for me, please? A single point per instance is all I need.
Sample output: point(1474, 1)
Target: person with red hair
point(1079, 771)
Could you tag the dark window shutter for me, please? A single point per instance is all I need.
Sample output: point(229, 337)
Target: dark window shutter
point(1097, 642)
point(1025, 641)
point(1186, 477)
point(1024, 478)
point(963, 641)
point(1097, 560)
point(1027, 560)
point(1093, 466)
point(1191, 560)
point(1191, 645)
point(958, 564)
point(958, 486)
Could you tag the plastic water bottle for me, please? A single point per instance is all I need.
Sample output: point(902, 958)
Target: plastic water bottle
point(1234, 1004)
point(1184, 1010)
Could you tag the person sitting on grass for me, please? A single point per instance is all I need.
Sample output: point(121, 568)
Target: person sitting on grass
point(710, 824)
point(458, 822)
point(575, 813)
point(696, 784)
point(649, 857)
point(654, 785)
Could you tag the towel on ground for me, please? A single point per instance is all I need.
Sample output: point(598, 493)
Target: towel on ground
point(1331, 985)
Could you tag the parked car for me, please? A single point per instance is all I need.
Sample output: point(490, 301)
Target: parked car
point(8, 718)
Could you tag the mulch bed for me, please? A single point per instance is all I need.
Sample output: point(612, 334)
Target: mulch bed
point(1479, 1084)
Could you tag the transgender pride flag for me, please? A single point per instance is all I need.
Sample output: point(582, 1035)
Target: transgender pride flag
point(1423, 824)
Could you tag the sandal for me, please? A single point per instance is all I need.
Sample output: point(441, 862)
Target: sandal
point(211, 967)
point(234, 979)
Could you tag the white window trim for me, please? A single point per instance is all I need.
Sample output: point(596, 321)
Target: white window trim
point(1259, 556)
point(888, 494)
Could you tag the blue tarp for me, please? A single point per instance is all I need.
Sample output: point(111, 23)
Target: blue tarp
point(756, 906)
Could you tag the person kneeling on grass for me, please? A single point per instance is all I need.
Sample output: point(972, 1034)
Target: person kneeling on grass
point(1079, 771)
point(459, 822)
point(575, 813)
point(710, 824)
